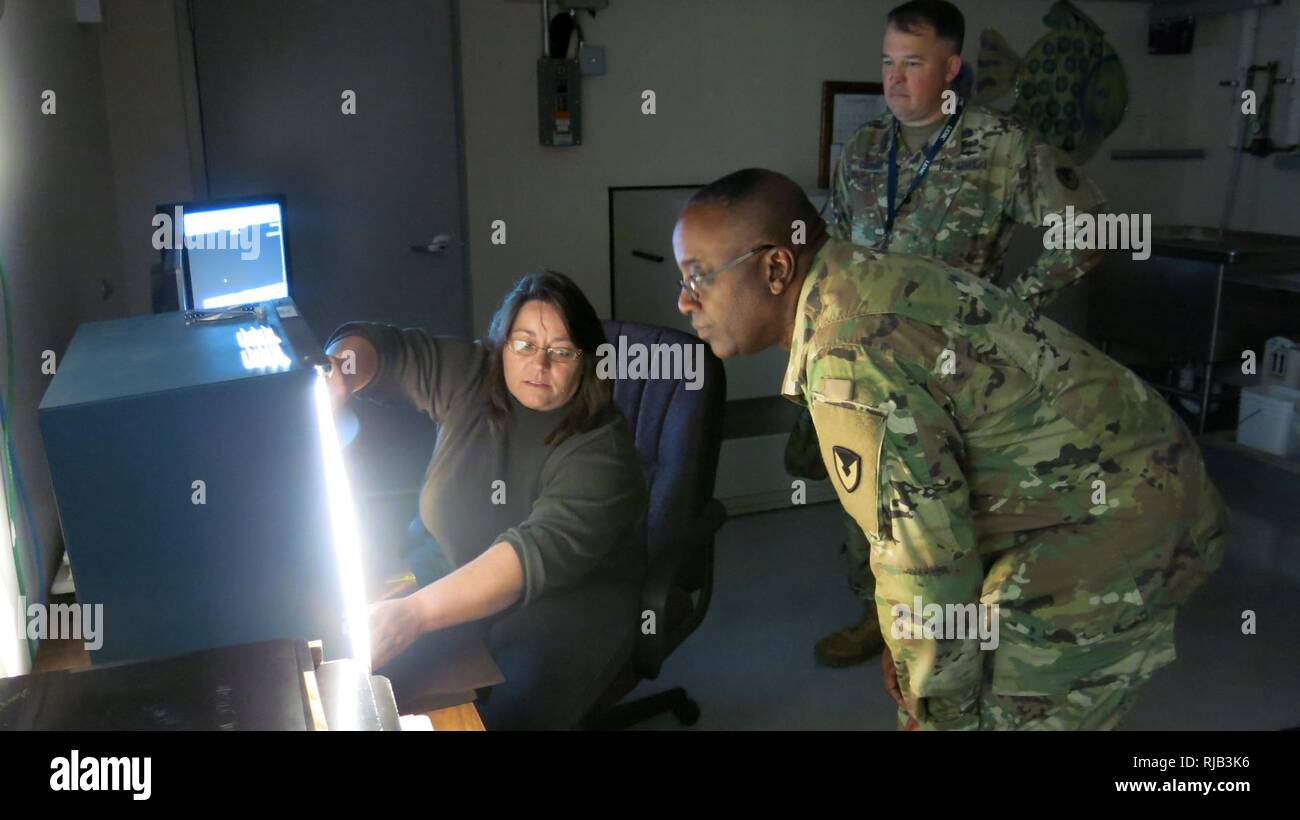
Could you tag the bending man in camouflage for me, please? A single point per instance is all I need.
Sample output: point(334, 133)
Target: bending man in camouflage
point(993, 460)
point(990, 174)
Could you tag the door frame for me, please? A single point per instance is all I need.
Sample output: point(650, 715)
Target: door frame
point(613, 189)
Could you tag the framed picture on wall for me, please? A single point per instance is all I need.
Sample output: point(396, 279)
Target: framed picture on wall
point(846, 107)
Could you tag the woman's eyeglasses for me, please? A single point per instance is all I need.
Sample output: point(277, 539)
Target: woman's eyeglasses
point(527, 349)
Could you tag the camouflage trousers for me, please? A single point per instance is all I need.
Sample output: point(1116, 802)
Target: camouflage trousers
point(1033, 680)
point(1098, 701)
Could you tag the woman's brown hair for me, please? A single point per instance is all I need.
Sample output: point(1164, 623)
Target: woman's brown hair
point(594, 394)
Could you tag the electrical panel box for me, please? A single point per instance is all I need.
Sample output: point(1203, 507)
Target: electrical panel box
point(559, 101)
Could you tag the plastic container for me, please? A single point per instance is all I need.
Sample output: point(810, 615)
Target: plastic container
point(1282, 362)
point(1269, 420)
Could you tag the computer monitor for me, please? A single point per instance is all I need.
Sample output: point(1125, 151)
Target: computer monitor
point(234, 252)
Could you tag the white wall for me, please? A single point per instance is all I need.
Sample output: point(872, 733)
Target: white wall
point(147, 129)
point(57, 217)
point(738, 83)
point(1268, 199)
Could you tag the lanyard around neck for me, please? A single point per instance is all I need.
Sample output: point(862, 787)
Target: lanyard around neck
point(920, 173)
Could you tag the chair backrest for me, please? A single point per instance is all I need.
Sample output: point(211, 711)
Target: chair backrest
point(678, 431)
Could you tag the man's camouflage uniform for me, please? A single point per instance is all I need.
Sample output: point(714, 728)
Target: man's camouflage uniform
point(992, 457)
point(991, 174)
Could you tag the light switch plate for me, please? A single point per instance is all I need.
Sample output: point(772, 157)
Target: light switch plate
point(565, 5)
point(592, 59)
point(88, 11)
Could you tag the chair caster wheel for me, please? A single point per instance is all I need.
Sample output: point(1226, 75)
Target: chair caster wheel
point(687, 712)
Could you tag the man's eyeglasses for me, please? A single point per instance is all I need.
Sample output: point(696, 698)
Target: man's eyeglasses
point(694, 284)
point(527, 349)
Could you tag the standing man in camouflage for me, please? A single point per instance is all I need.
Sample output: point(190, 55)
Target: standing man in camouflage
point(947, 180)
point(995, 461)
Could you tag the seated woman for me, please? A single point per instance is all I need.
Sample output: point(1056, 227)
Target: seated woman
point(530, 501)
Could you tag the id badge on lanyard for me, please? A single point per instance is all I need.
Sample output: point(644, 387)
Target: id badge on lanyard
point(920, 173)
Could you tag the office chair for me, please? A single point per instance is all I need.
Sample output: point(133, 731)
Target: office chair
point(678, 434)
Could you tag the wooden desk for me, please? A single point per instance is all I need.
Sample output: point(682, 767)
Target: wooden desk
point(463, 718)
point(55, 655)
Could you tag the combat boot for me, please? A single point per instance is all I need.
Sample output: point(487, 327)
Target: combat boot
point(851, 645)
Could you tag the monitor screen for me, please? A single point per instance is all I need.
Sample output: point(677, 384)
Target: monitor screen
point(234, 255)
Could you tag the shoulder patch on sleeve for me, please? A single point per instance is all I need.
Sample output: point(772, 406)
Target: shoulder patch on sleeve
point(1058, 182)
point(848, 467)
point(852, 439)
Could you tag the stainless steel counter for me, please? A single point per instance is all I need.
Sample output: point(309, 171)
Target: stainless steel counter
point(1175, 305)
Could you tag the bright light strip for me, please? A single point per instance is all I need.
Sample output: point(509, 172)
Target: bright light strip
point(343, 523)
point(229, 219)
point(354, 672)
point(14, 659)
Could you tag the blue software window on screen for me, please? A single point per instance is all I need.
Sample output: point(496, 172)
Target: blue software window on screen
point(235, 255)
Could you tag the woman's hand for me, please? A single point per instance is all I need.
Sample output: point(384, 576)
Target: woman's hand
point(354, 363)
point(338, 386)
point(490, 583)
point(394, 626)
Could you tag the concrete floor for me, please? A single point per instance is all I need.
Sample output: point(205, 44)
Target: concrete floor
point(780, 585)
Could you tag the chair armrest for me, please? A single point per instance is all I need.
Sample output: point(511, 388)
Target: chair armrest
point(697, 536)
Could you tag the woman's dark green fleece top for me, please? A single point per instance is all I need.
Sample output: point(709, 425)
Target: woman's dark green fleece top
point(571, 511)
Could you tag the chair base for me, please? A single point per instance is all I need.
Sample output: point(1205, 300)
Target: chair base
point(627, 715)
